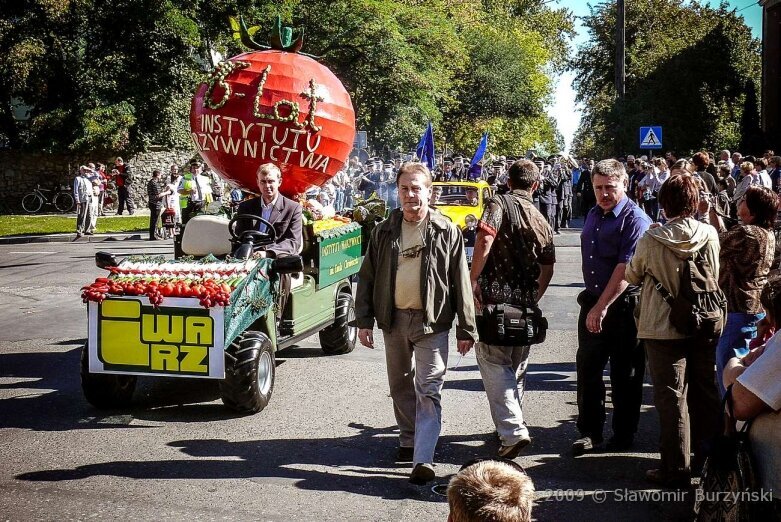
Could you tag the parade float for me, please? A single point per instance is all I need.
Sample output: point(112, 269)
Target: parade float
point(213, 311)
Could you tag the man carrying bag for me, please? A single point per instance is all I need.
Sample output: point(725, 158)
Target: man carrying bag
point(511, 269)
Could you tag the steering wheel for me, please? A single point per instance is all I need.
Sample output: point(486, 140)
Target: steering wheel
point(252, 234)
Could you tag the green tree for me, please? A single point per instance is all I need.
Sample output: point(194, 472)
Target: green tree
point(120, 74)
point(98, 75)
point(688, 66)
point(514, 49)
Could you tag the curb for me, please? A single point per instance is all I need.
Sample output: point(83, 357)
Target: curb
point(68, 238)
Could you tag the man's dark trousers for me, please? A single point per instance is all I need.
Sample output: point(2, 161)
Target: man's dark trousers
point(617, 343)
point(125, 198)
point(549, 210)
point(154, 215)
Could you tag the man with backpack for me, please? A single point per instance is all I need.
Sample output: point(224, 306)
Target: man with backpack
point(681, 316)
point(511, 266)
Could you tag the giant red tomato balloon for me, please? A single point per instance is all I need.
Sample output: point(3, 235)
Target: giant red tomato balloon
point(273, 107)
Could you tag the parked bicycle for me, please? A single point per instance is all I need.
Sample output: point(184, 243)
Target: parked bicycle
point(60, 198)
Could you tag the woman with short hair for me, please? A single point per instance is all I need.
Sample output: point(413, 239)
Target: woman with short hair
point(681, 366)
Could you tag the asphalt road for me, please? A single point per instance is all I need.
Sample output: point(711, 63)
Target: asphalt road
point(322, 450)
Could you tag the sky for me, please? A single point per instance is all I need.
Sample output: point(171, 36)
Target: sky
point(565, 110)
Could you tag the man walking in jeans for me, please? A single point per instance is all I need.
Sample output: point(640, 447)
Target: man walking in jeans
point(606, 325)
point(413, 281)
point(503, 274)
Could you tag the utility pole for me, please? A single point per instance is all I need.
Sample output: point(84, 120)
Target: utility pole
point(620, 71)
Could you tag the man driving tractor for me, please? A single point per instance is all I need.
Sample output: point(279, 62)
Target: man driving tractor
point(283, 213)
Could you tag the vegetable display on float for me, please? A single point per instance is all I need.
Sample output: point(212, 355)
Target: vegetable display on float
point(211, 282)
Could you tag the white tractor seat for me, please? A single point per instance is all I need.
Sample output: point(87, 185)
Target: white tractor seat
point(205, 235)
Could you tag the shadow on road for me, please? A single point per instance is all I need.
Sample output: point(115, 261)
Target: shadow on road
point(53, 401)
point(48, 396)
point(361, 463)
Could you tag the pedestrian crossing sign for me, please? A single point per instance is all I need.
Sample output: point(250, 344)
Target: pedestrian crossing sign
point(651, 137)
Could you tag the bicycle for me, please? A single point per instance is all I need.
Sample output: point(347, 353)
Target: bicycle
point(60, 198)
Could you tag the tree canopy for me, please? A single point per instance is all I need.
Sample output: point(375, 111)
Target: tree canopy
point(691, 68)
point(119, 74)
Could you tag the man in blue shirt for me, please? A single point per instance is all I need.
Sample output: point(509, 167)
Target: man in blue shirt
point(606, 325)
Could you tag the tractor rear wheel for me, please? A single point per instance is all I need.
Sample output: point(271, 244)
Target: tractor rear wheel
point(339, 338)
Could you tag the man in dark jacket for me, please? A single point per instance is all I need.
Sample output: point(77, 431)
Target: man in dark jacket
point(564, 197)
point(585, 189)
point(414, 281)
point(124, 181)
point(284, 214)
point(155, 195)
point(548, 199)
point(285, 217)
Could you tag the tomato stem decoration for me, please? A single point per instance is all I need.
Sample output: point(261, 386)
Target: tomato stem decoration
point(277, 105)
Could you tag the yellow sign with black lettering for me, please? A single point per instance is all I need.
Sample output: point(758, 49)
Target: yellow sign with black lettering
point(129, 336)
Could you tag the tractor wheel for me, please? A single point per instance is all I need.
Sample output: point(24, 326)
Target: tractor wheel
point(249, 373)
point(105, 391)
point(339, 338)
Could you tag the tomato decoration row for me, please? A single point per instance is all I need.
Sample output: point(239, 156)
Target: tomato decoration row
point(210, 282)
point(209, 292)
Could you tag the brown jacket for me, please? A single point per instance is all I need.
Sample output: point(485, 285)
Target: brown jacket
point(445, 288)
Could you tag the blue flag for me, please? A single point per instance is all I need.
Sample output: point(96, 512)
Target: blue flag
point(480, 152)
point(475, 170)
point(425, 148)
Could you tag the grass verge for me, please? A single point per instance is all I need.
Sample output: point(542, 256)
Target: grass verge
point(36, 225)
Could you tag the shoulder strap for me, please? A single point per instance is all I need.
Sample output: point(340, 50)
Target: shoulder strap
point(668, 298)
point(666, 295)
point(510, 209)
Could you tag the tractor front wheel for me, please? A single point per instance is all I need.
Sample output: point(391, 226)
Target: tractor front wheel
point(250, 369)
point(103, 390)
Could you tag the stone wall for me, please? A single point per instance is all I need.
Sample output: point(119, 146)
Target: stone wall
point(20, 172)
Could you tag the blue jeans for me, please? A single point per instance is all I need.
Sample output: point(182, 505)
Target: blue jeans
point(739, 329)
